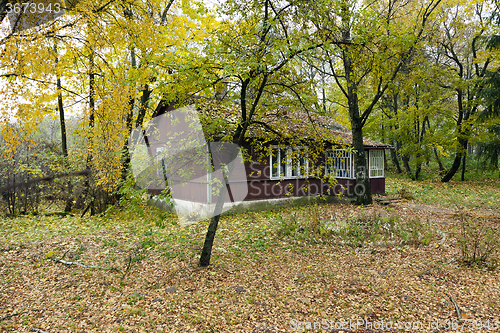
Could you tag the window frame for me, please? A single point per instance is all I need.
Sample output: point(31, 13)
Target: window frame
point(290, 166)
point(330, 168)
point(378, 161)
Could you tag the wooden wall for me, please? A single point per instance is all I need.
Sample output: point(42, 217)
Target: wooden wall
point(259, 185)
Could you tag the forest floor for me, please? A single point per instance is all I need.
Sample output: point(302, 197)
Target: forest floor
point(333, 267)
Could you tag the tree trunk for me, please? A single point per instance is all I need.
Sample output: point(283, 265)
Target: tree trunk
point(363, 195)
point(417, 170)
point(362, 189)
point(69, 200)
point(494, 158)
point(464, 158)
point(453, 169)
point(441, 167)
point(146, 92)
point(206, 252)
point(395, 151)
point(62, 122)
point(406, 164)
point(395, 160)
point(87, 187)
point(130, 115)
point(419, 155)
point(461, 151)
point(462, 142)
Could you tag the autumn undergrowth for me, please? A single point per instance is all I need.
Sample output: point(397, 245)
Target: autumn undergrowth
point(144, 229)
point(478, 193)
point(353, 229)
point(478, 241)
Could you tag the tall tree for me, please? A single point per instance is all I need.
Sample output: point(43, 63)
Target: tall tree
point(489, 147)
point(464, 64)
point(378, 38)
point(133, 47)
point(255, 48)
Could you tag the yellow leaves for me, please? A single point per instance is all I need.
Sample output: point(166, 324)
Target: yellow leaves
point(10, 141)
point(467, 316)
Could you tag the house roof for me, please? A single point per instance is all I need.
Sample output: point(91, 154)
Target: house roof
point(220, 120)
point(304, 124)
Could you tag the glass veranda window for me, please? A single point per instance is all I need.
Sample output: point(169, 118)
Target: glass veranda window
point(288, 162)
point(338, 163)
point(376, 163)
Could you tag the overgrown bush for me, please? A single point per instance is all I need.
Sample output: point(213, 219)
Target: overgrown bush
point(405, 194)
point(478, 242)
point(415, 232)
point(287, 226)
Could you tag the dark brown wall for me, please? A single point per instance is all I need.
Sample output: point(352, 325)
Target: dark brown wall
point(377, 185)
point(260, 186)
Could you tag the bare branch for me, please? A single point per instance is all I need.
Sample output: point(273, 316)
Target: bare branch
point(12, 315)
point(165, 12)
point(69, 263)
point(85, 172)
point(459, 315)
point(266, 126)
point(33, 329)
point(39, 81)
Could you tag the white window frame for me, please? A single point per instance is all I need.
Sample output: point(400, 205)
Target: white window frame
point(335, 159)
point(291, 164)
point(376, 163)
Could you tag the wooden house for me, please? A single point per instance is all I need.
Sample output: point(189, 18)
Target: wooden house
point(280, 166)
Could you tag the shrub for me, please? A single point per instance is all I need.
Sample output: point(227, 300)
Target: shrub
point(477, 241)
point(370, 229)
point(314, 221)
point(415, 232)
point(405, 194)
point(287, 226)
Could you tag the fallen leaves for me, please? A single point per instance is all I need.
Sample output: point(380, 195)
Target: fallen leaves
point(254, 278)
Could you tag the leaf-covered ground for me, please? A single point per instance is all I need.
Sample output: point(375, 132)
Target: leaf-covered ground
point(338, 267)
